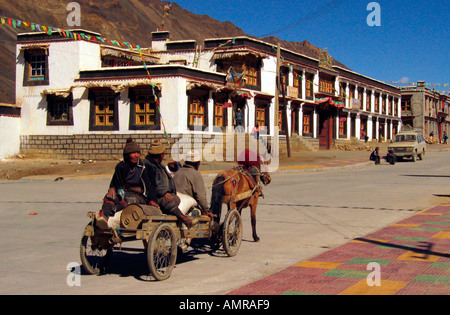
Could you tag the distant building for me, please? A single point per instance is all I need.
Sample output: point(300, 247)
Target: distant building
point(83, 98)
point(425, 109)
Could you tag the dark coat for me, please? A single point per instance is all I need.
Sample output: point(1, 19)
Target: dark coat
point(120, 173)
point(159, 177)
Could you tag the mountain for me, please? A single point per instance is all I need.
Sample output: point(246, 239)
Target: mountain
point(122, 20)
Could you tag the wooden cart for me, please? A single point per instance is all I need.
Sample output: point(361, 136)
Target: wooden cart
point(160, 235)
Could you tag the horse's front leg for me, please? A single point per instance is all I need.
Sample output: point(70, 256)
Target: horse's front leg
point(253, 204)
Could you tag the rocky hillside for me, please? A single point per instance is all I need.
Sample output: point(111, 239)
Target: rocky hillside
point(123, 20)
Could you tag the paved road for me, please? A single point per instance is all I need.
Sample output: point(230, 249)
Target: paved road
point(302, 215)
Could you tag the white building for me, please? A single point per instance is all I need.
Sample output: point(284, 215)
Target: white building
point(83, 98)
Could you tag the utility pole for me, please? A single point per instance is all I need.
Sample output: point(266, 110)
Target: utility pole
point(284, 117)
point(275, 146)
point(279, 85)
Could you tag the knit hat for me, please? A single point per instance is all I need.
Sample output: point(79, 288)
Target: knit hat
point(131, 147)
point(156, 147)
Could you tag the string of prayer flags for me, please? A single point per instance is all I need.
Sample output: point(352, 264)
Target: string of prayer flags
point(166, 11)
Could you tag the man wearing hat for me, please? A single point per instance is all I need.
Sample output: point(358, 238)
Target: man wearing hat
point(189, 181)
point(166, 193)
point(128, 185)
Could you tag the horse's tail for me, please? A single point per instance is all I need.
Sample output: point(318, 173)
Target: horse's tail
point(216, 197)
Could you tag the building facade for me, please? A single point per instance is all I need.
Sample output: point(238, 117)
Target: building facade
point(426, 110)
point(83, 98)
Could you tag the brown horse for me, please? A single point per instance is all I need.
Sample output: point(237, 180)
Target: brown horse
point(237, 189)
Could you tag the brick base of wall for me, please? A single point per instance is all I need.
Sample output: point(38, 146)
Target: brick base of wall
point(79, 147)
point(110, 146)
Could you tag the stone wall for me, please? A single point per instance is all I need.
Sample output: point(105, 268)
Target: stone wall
point(79, 147)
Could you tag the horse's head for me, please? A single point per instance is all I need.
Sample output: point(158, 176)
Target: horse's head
point(265, 178)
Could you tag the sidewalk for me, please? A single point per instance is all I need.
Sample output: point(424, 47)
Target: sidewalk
point(413, 258)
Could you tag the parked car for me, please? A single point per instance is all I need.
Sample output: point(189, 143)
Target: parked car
point(409, 144)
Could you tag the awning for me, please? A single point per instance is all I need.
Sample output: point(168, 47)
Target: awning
point(230, 53)
point(245, 94)
point(61, 92)
point(195, 84)
point(330, 101)
point(35, 46)
point(118, 86)
point(125, 54)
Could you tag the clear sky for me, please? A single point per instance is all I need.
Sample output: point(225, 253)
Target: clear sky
point(412, 43)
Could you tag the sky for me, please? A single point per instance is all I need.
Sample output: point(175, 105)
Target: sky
point(411, 43)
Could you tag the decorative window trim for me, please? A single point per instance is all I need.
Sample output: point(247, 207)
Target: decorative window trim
point(263, 106)
point(93, 93)
point(28, 78)
point(135, 92)
point(52, 100)
point(202, 95)
point(220, 99)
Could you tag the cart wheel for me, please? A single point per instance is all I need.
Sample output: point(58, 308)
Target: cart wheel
point(162, 252)
point(232, 233)
point(95, 256)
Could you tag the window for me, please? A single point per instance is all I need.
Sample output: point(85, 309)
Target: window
point(352, 92)
point(59, 110)
point(144, 114)
point(342, 127)
point(309, 86)
point(360, 96)
point(342, 92)
point(247, 65)
point(308, 122)
point(36, 67)
point(389, 103)
point(326, 86)
point(326, 83)
point(298, 84)
point(118, 62)
point(196, 111)
point(220, 111)
point(262, 114)
point(197, 108)
point(145, 108)
point(219, 120)
point(369, 101)
point(104, 109)
point(252, 75)
point(383, 104)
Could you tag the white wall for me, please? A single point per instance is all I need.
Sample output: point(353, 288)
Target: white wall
point(65, 60)
point(9, 136)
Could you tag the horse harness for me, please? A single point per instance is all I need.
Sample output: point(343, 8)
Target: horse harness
point(231, 176)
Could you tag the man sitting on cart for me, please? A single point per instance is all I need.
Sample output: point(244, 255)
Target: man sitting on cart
point(166, 193)
point(128, 185)
point(189, 182)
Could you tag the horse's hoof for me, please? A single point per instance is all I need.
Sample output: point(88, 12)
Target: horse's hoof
point(256, 239)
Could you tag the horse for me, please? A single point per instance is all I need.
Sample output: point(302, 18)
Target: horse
point(237, 188)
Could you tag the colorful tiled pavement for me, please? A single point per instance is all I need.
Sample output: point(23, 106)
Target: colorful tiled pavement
point(411, 257)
